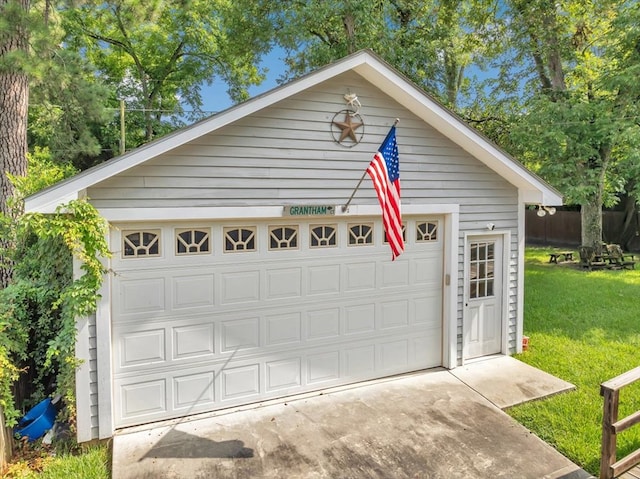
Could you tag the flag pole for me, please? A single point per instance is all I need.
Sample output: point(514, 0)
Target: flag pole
point(345, 207)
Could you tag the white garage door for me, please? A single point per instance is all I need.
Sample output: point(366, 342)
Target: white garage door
point(212, 315)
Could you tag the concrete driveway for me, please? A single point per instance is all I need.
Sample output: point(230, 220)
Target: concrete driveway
point(432, 424)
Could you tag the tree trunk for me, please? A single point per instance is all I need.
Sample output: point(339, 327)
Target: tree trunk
point(349, 23)
point(6, 449)
point(591, 215)
point(14, 101)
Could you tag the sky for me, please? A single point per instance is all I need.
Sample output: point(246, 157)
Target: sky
point(215, 98)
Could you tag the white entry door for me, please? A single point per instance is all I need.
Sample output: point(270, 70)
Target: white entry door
point(483, 291)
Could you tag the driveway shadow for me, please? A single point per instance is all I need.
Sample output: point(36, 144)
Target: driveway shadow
point(178, 444)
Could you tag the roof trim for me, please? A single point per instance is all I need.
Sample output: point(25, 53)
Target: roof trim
point(365, 63)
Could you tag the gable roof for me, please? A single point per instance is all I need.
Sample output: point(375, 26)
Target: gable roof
point(533, 190)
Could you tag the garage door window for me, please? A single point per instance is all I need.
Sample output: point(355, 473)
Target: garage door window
point(322, 236)
point(404, 234)
point(360, 234)
point(239, 239)
point(426, 231)
point(141, 243)
point(192, 241)
point(283, 237)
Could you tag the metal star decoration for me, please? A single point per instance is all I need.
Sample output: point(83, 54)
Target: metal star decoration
point(348, 127)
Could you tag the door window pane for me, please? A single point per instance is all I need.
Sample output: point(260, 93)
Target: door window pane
point(481, 268)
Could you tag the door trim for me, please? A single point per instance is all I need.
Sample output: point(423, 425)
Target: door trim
point(505, 236)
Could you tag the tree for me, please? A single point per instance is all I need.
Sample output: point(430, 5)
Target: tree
point(65, 105)
point(68, 110)
point(14, 100)
point(156, 55)
point(575, 129)
point(432, 42)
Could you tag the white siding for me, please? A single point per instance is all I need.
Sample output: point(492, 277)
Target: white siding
point(285, 154)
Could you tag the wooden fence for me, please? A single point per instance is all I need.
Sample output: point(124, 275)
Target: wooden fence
point(564, 229)
point(610, 467)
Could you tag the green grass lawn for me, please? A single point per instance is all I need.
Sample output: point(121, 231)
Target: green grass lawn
point(91, 462)
point(584, 327)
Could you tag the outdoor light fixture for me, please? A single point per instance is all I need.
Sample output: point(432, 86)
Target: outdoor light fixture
point(491, 226)
point(543, 210)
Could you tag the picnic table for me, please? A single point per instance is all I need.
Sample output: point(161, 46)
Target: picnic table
point(610, 256)
point(561, 256)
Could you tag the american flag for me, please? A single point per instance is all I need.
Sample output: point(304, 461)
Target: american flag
point(384, 171)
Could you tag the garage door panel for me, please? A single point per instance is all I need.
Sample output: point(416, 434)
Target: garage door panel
point(240, 286)
point(143, 399)
point(194, 390)
point(323, 367)
point(144, 295)
point(240, 334)
point(194, 291)
point(283, 283)
point(360, 362)
point(394, 274)
point(275, 351)
point(241, 383)
point(323, 279)
point(231, 329)
point(322, 324)
point(283, 374)
point(211, 337)
point(393, 355)
point(394, 314)
point(283, 329)
point(142, 348)
point(193, 341)
point(428, 310)
point(359, 318)
point(427, 270)
point(360, 276)
point(426, 347)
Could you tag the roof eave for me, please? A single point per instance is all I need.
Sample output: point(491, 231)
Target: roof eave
point(535, 190)
point(366, 64)
point(49, 198)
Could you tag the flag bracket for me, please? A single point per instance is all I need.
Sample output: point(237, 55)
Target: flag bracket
point(345, 207)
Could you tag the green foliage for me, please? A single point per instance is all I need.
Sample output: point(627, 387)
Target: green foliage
point(432, 42)
point(83, 232)
point(68, 108)
point(87, 463)
point(66, 99)
point(39, 308)
point(577, 126)
point(156, 56)
point(43, 172)
point(13, 345)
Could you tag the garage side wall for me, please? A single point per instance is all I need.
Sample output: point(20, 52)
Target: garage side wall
point(86, 379)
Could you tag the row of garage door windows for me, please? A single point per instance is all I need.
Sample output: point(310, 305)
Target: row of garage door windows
point(144, 243)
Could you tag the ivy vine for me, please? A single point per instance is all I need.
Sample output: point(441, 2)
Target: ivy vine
point(38, 310)
point(40, 306)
